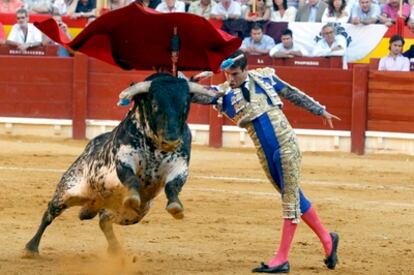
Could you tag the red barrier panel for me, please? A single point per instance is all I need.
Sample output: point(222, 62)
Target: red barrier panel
point(82, 88)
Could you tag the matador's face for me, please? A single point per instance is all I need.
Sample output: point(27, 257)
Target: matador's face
point(235, 76)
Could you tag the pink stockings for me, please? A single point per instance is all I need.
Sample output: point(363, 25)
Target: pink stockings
point(288, 232)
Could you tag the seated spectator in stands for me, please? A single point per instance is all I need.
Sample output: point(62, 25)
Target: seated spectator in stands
point(168, 6)
point(336, 12)
point(365, 13)
point(295, 3)
point(2, 35)
point(410, 52)
point(330, 44)
point(391, 10)
point(202, 7)
point(287, 49)
point(150, 3)
point(282, 13)
point(24, 35)
point(257, 43)
point(395, 61)
point(84, 8)
point(312, 11)
point(259, 13)
point(62, 51)
point(39, 6)
point(226, 9)
point(111, 5)
point(10, 6)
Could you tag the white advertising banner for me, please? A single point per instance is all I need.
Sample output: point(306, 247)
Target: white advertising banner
point(362, 39)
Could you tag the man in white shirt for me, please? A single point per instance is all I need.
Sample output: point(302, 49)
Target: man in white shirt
point(330, 44)
point(226, 9)
point(365, 12)
point(168, 6)
point(287, 49)
point(24, 35)
point(257, 43)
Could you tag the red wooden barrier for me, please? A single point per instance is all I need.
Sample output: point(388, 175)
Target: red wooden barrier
point(82, 88)
point(359, 109)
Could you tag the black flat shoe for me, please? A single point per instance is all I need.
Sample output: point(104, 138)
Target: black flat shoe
point(264, 268)
point(332, 259)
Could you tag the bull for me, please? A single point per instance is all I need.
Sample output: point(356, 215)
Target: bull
point(120, 172)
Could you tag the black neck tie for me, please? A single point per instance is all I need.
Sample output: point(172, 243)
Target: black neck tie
point(245, 92)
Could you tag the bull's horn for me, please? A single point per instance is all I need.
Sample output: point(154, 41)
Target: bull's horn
point(199, 89)
point(138, 88)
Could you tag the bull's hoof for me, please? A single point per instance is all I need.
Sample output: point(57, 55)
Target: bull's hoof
point(29, 254)
point(115, 250)
point(176, 210)
point(132, 200)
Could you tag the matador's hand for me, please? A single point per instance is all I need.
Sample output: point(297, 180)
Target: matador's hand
point(328, 118)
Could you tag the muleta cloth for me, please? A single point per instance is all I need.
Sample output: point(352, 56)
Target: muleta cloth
point(134, 37)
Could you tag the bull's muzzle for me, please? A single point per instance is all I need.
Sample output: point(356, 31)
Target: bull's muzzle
point(169, 146)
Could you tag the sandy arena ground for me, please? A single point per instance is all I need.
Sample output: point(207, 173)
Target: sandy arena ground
point(232, 217)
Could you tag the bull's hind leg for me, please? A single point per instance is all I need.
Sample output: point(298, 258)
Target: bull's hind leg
point(105, 223)
point(53, 210)
point(61, 201)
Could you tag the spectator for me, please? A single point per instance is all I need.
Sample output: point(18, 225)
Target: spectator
point(282, 13)
point(150, 3)
point(10, 6)
point(202, 7)
point(168, 6)
point(257, 43)
point(84, 8)
point(287, 49)
point(295, 3)
point(410, 52)
point(391, 11)
point(331, 44)
point(24, 35)
point(312, 11)
point(2, 35)
point(115, 4)
point(261, 13)
point(226, 9)
point(336, 12)
point(39, 6)
point(62, 51)
point(395, 61)
point(365, 13)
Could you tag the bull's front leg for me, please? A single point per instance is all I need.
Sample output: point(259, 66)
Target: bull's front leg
point(128, 178)
point(172, 189)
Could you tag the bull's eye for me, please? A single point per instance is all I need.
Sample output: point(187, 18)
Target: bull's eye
point(154, 106)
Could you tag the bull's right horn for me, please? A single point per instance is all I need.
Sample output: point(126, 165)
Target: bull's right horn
point(138, 88)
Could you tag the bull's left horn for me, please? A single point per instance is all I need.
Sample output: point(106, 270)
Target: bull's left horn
point(138, 88)
point(199, 89)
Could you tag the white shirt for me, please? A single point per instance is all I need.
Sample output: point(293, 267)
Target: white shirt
point(288, 16)
point(323, 49)
point(280, 48)
point(234, 9)
point(33, 34)
point(326, 18)
point(400, 63)
point(179, 6)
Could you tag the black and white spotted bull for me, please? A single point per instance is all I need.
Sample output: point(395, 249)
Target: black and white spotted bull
point(120, 172)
